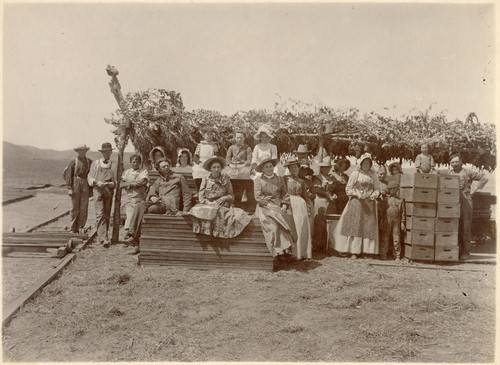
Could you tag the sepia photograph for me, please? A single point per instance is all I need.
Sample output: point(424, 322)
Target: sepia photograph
point(243, 182)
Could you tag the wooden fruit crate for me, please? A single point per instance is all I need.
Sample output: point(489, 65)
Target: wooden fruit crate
point(418, 195)
point(421, 209)
point(446, 253)
point(419, 180)
point(448, 211)
point(420, 223)
point(420, 238)
point(447, 224)
point(448, 196)
point(448, 182)
point(420, 253)
point(446, 238)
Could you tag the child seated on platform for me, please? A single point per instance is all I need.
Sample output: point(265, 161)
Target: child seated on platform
point(392, 222)
point(424, 162)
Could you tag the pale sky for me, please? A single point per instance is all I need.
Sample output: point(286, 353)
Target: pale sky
point(230, 57)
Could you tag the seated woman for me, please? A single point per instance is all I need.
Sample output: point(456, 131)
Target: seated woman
point(269, 191)
point(300, 198)
point(155, 154)
point(357, 230)
point(184, 161)
point(215, 215)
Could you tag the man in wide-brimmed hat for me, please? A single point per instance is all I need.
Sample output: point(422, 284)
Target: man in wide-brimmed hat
point(78, 188)
point(102, 177)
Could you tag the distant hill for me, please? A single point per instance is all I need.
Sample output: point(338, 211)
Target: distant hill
point(27, 165)
point(11, 150)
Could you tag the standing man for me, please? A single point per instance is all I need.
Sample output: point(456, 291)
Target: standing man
point(78, 188)
point(466, 177)
point(102, 177)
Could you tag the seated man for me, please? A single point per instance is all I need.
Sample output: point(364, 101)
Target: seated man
point(164, 198)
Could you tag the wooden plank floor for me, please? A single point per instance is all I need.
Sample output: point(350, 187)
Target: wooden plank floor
point(170, 240)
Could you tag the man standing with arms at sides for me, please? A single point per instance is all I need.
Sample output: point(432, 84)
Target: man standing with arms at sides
point(102, 177)
point(466, 176)
point(78, 188)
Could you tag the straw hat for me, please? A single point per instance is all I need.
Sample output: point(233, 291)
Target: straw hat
point(259, 167)
point(207, 165)
point(327, 162)
point(291, 161)
point(302, 149)
point(106, 146)
point(395, 164)
point(81, 147)
point(263, 128)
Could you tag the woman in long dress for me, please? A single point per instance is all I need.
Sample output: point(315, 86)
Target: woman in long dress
point(215, 214)
point(299, 198)
point(357, 230)
point(340, 179)
point(323, 204)
point(270, 191)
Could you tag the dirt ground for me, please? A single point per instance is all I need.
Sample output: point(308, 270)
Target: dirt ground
point(107, 308)
point(47, 203)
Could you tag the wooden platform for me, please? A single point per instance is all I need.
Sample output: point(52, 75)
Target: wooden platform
point(170, 241)
point(62, 242)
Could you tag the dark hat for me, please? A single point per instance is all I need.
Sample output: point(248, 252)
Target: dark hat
point(259, 167)
point(392, 184)
point(106, 146)
point(207, 165)
point(342, 160)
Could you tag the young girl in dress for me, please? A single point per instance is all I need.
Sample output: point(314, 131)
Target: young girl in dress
point(264, 149)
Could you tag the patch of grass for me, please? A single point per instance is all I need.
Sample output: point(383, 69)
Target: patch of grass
point(293, 329)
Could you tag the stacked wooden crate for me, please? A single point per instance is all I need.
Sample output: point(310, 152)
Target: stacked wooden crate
point(432, 214)
point(420, 194)
point(170, 241)
point(448, 215)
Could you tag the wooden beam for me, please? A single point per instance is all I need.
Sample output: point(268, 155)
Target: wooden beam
point(48, 222)
point(12, 308)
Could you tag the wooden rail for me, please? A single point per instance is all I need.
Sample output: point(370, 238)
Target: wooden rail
point(12, 308)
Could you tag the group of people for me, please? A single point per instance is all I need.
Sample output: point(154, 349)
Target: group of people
point(292, 207)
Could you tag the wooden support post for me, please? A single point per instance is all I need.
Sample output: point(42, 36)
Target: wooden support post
point(115, 88)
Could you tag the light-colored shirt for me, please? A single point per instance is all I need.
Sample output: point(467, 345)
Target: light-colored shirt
point(424, 163)
point(205, 150)
point(269, 189)
point(212, 189)
point(261, 152)
point(466, 177)
point(134, 176)
point(100, 171)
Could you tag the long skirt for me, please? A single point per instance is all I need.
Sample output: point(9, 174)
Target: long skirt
point(217, 221)
point(276, 229)
point(322, 207)
point(357, 229)
point(300, 211)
